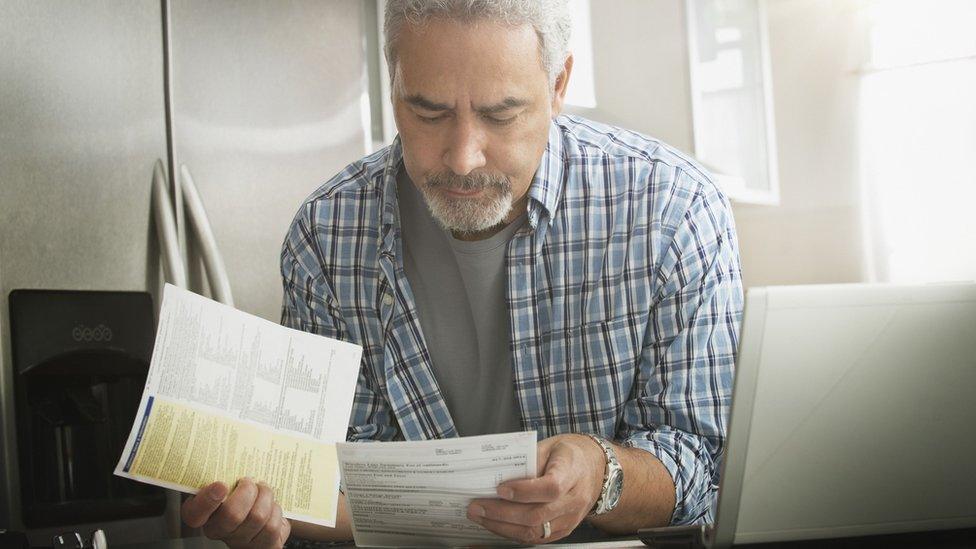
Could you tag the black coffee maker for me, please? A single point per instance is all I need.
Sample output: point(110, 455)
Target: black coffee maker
point(80, 360)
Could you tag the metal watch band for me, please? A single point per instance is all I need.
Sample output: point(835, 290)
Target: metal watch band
point(600, 506)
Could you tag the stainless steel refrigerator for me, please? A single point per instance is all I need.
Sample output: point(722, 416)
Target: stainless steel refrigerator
point(260, 101)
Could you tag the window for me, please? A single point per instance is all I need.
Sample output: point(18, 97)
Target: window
point(731, 97)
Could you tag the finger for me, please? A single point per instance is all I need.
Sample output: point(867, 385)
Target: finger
point(537, 490)
point(286, 529)
point(257, 517)
point(558, 480)
point(275, 532)
point(560, 527)
point(233, 511)
point(525, 514)
point(196, 510)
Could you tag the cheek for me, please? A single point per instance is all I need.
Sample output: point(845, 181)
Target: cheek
point(420, 150)
point(421, 142)
point(517, 155)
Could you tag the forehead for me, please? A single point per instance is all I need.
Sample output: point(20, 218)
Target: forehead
point(478, 58)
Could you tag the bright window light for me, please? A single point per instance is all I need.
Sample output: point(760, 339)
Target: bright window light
point(581, 90)
point(918, 140)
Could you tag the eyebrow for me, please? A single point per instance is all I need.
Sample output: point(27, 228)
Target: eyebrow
point(504, 105)
point(507, 103)
point(427, 104)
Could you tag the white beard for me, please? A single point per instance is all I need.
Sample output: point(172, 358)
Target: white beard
point(468, 214)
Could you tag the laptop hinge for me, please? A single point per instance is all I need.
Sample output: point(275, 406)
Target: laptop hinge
point(676, 537)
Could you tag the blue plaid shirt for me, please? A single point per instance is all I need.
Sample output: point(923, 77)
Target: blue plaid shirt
point(624, 295)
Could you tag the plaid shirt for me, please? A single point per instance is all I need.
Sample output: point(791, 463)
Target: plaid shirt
point(624, 296)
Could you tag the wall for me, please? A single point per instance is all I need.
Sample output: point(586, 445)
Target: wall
point(814, 235)
point(640, 66)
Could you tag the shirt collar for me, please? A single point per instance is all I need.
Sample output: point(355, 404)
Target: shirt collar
point(393, 162)
point(544, 191)
point(547, 184)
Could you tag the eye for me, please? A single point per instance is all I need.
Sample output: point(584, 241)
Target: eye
point(431, 119)
point(499, 121)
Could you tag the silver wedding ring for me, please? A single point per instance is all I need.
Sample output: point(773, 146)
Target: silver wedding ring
point(546, 530)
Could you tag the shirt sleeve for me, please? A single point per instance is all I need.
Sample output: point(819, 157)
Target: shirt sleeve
point(309, 304)
point(684, 386)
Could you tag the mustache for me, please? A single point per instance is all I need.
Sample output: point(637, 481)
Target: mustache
point(469, 182)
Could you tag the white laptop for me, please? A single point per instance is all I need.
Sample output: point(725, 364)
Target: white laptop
point(854, 413)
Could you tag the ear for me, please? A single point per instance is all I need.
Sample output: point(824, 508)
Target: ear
point(562, 83)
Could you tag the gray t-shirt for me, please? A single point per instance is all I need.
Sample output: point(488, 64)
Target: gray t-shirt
point(459, 289)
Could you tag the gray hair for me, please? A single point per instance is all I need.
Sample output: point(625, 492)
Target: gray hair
point(549, 18)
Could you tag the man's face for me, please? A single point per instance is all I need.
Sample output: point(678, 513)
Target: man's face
point(472, 106)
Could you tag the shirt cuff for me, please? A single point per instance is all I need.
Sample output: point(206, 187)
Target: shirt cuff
point(687, 459)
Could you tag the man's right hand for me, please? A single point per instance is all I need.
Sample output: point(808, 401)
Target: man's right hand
point(248, 517)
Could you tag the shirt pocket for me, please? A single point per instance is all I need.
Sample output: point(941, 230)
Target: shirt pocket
point(585, 376)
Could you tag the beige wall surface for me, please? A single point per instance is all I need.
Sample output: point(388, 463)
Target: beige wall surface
point(814, 235)
point(640, 68)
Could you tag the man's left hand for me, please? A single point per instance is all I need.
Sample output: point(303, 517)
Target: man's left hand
point(571, 470)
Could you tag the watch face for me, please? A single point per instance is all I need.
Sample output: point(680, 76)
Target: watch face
point(615, 488)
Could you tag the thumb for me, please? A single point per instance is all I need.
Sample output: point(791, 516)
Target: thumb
point(196, 511)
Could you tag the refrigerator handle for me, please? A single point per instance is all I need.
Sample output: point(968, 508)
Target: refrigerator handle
point(200, 225)
point(174, 269)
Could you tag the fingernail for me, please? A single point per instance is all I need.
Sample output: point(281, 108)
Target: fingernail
point(505, 493)
point(218, 492)
point(476, 510)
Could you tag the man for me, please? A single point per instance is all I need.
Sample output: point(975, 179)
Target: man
point(507, 268)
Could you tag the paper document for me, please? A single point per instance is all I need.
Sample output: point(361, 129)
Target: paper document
point(417, 493)
point(230, 395)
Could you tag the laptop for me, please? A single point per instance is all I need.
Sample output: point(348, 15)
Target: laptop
point(853, 413)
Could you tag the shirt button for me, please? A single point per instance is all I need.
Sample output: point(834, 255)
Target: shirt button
point(388, 300)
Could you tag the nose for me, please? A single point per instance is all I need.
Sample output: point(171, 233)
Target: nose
point(465, 153)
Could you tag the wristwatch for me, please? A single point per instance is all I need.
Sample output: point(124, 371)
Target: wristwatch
point(613, 480)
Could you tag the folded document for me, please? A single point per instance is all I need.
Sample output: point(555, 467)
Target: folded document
point(230, 395)
point(411, 494)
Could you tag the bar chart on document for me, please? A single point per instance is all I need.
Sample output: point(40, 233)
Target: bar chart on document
point(230, 395)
